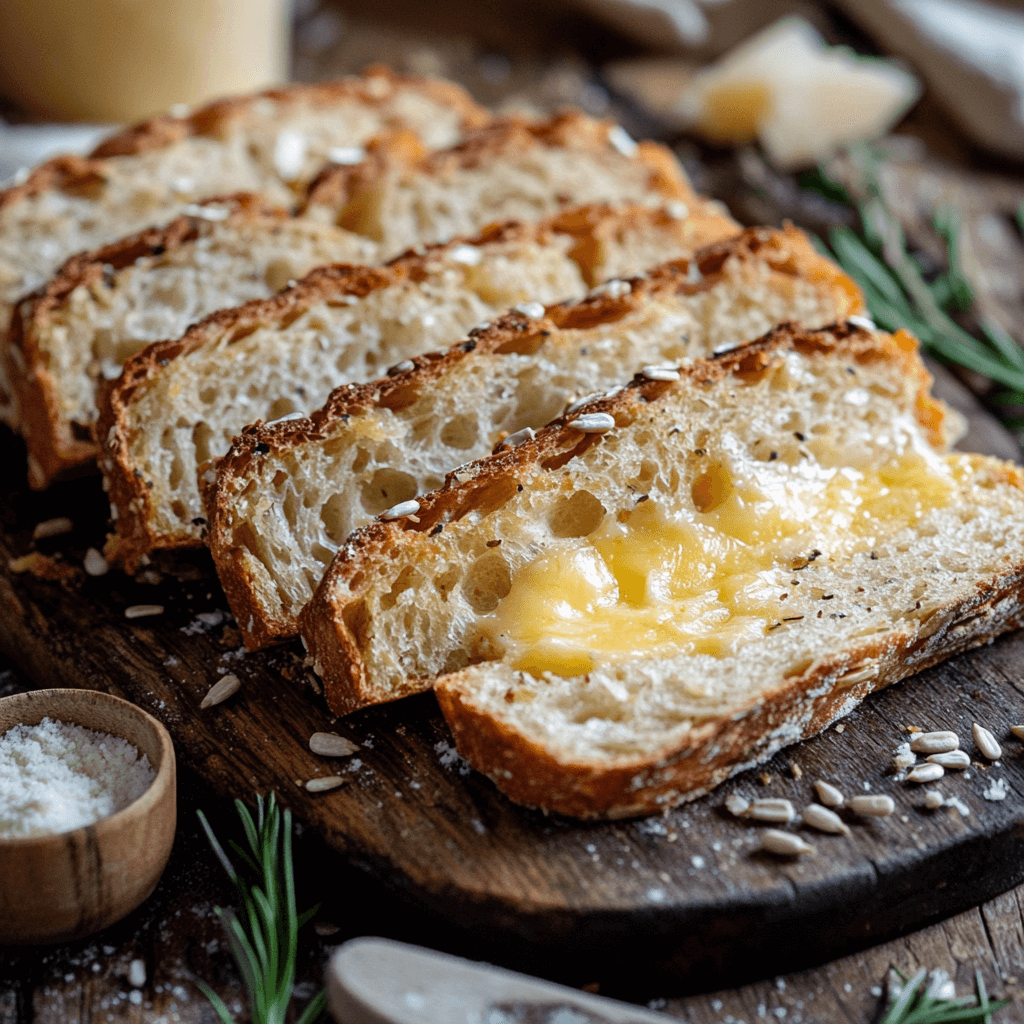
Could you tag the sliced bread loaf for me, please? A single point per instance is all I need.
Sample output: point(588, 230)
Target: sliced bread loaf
point(287, 495)
point(105, 305)
point(272, 143)
point(512, 169)
point(669, 584)
point(180, 403)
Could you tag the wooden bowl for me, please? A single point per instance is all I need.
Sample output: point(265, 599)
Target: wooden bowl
point(66, 885)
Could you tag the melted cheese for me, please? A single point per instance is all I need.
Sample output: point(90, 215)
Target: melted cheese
point(708, 579)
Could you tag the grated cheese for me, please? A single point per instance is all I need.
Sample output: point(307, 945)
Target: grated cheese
point(56, 776)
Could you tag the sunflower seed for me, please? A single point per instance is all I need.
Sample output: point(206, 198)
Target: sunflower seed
point(403, 367)
point(872, 805)
point(986, 742)
point(330, 744)
point(784, 843)
point(95, 564)
point(862, 322)
point(467, 255)
point(934, 742)
point(952, 759)
point(143, 611)
point(324, 783)
point(736, 804)
point(580, 402)
point(933, 799)
point(614, 289)
point(534, 310)
point(677, 209)
point(593, 422)
point(621, 140)
point(401, 510)
point(325, 928)
point(772, 809)
point(828, 794)
point(1018, 731)
point(518, 438)
point(824, 820)
point(52, 527)
point(346, 155)
point(221, 690)
point(660, 372)
point(926, 773)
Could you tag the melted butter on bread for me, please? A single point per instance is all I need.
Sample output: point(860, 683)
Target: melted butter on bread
point(714, 575)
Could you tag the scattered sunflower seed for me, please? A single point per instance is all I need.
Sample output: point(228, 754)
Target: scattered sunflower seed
point(935, 742)
point(926, 773)
point(986, 742)
point(828, 794)
point(772, 809)
point(933, 799)
point(95, 564)
point(593, 422)
point(872, 805)
point(736, 804)
point(330, 744)
point(621, 140)
point(824, 820)
point(403, 367)
point(785, 844)
point(221, 690)
point(324, 783)
point(1018, 731)
point(346, 155)
point(326, 928)
point(863, 322)
point(401, 510)
point(958, 759)
point(468, 255)
point(143, 611)
point(52, 528)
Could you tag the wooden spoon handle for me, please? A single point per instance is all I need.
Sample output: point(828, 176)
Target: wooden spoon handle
point(379, 981)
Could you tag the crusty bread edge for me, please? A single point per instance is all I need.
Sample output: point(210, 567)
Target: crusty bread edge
point(329, 623)
point(715, 749)
point(52, 446)
point(513, 330)
point(337, 187)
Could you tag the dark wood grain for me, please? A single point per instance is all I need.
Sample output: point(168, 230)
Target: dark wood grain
point(682, 898)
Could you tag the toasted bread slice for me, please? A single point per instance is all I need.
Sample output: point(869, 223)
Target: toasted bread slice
point(180, 403)
point(105, 305)
point(272, 143)
point(671, 583)
point(512, 169)
point(287, 495)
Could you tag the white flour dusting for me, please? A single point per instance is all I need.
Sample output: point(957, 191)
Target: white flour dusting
point(56, 776)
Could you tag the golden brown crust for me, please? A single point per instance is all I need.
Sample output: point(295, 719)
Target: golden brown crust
point(714, 749)
point(80, 174)
point(54, 446)
point(788, 251)
point(214, 118)
point(326, 622)
point(339, 187)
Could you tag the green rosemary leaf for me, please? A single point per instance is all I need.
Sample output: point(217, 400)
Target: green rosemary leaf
point(821, 184)
point(1002, 342)
point(853, 253)
point(216, 1002)
point(263, 933)
point(914, 1005)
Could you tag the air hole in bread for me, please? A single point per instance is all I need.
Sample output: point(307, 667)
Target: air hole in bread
point(323, 555)
point(281, 407)
point(711, 488)
point(385, 488)
point(487, 581)
point(355, 618)
point(521, 345)
point(447, 581)
point(577, 515)
point(178, 508)
point(359, 463)
point(332, 515)
point(280, 479)
point(407, 578)
point(177, 473)
point(460, 432)
point(201, 436)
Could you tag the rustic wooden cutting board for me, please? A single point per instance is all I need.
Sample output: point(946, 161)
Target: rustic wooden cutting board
point(682, 900)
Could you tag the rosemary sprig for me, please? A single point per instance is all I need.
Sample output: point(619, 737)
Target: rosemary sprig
point(915, 1004)
point(896, 291)
point(263, 931)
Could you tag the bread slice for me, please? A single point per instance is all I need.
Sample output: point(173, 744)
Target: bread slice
point(512, 169)
point(180, 403)
point(272, 143)
point(618, 619)
point(287, 495)
point(105, 305)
